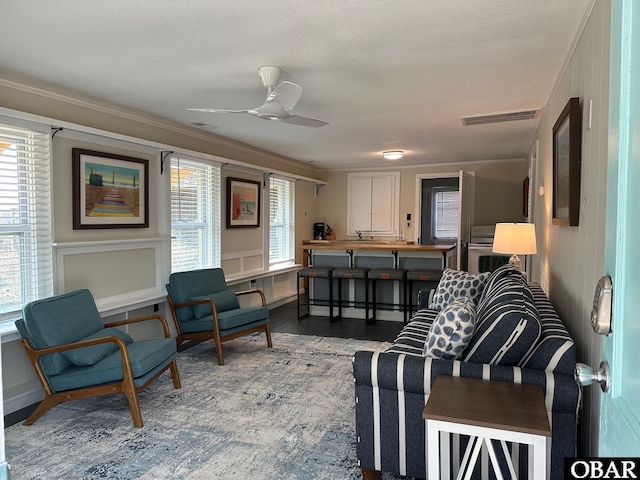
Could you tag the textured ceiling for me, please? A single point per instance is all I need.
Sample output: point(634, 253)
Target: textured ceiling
point(385, 74)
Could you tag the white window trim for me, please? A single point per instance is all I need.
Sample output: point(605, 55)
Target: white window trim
point(292, 224)
point(210, 197)
point(42, 278)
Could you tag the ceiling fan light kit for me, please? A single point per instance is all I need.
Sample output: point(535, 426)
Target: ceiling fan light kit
point(280, 101)
point(393, 154)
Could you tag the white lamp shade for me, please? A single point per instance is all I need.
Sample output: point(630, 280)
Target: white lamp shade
point(515, 238)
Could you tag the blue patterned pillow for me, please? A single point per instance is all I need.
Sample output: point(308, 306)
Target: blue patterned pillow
point(508, 327)
point(451, 331)
point(457, 284)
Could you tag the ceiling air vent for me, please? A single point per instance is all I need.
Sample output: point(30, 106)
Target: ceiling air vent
point(500, 117)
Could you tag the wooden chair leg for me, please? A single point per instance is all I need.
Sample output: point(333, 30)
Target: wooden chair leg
point(174, 375)
point(267, 331)
point(134, 406)
point(219, 350)
point(370, 474)
point(47, 404)
point(130, 391)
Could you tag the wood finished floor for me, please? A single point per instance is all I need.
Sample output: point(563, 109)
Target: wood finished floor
point(284, 319)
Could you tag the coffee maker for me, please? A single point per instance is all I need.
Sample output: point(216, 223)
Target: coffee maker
point(319, 231)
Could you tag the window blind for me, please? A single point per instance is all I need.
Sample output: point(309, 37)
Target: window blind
point(282, 194)
point(25, 219)
point(446, 213)
point(195, 215)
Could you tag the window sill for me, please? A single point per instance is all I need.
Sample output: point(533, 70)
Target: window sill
point(254, 274)
point(8, 331)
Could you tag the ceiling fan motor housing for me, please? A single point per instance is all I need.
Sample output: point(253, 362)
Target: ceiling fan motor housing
point(269, 76)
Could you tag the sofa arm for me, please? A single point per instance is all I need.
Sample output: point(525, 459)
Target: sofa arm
point(411, 374)
point(390, 393)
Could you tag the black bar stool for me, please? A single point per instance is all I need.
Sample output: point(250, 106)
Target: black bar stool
point(352, 273)
point(432, 277)
point(384, 274)
point(316, 272)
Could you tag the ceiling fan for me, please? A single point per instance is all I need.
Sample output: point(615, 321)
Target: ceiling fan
point(280, 101)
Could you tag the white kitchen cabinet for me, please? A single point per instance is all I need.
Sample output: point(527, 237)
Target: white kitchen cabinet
point(373, 202)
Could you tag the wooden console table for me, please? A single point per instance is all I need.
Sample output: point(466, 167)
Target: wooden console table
point(485, 410)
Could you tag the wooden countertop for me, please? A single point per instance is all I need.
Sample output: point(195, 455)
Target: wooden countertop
point(372, 245)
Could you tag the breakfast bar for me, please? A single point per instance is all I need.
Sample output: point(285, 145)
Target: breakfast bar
point(388, 257)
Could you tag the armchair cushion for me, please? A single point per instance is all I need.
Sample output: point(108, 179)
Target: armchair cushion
point(224, 301)
point(145, 356)
point(183, 286)
point(227, 320)
point(89, 355)
point(55, 321)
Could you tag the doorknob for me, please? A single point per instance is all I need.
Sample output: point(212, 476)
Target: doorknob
point(585, 375)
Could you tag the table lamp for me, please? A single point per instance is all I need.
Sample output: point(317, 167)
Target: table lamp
point(515, 239)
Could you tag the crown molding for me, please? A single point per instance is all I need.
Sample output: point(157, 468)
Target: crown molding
point(158, 122)
point(428, 165)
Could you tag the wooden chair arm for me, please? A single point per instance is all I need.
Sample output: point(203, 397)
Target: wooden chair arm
point(214, 311)
point(153, 316)
point(80, 344)
point(190, 303)
point(256, 290)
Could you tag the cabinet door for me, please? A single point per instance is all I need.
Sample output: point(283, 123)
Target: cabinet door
point(372, 203)
point(382, 205)
point(361, 190)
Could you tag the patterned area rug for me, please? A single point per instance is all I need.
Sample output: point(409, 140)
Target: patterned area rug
point(280, 413)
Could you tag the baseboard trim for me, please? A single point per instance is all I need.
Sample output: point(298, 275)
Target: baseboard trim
point(282, 301)
point(23, 400)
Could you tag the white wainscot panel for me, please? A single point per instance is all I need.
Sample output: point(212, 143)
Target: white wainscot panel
point(121, 274)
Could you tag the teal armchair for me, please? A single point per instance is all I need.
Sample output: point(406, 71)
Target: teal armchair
point(75, 355)
point(204, 308)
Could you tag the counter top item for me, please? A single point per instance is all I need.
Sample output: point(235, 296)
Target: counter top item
point(372, 245)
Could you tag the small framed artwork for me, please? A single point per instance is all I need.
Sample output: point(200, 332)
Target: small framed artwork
point(525, 197)
point(243, 203)
point(109, 191)
point(567, 133)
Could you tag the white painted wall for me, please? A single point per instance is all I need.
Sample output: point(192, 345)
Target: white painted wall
point(571, 259)
point(19, 384)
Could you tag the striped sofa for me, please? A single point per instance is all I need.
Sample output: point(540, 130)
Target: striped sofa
point(391, 389)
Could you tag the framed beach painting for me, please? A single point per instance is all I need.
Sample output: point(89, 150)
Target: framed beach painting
point(243, 203)
point(566, 165)
point(109, 191)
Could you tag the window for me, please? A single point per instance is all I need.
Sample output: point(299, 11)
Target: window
point(195, 215)
point(282, 194)
point(25, 219)
point(444, 217)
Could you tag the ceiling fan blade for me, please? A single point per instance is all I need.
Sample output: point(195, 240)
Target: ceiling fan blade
point(216, 110)
point(285, 95)
point(303, 121)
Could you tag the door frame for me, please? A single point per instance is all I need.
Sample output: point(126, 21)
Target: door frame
point(460, 174)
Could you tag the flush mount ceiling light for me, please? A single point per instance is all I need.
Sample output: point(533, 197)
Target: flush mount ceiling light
point(393, 154)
